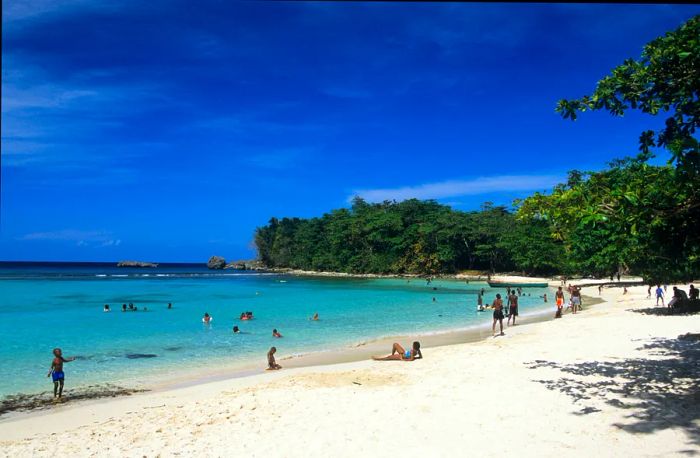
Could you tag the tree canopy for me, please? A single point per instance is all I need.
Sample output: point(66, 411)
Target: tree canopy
point(420, 237)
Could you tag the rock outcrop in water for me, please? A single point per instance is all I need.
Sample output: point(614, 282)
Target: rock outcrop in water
point(216, 262)
point(245, 265)
point(136, 264)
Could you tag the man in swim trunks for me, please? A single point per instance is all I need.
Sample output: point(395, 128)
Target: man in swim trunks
point(497, 314)
point(399, 354)
point(56, 372)
point(559, 296)
point(271, 363)
point(513, 310)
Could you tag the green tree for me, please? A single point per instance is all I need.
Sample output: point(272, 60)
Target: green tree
point(666, 79)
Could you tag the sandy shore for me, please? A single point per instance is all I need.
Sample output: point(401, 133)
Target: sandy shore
point(609, 381)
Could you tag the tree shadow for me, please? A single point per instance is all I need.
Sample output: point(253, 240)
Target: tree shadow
point(663, 311)
point(660, 392)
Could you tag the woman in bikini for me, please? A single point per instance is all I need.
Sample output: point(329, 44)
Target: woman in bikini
point(399, 354)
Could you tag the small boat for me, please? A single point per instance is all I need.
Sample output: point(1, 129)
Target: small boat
point(516, 284)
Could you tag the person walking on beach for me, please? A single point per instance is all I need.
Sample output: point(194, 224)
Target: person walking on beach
point(575, 299)
point(649, 292)
point(659, 295)
point(271, 363)
point(497, 314)
point(56, 372)
point(559, 296)
point(513, 309)
point(693, 293)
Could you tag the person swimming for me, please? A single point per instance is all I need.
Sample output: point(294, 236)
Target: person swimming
point(315, 317)
point(123, 307)
point(399, 354)
point(275, 333)
point(170, 305)
point(106, 308)
point(236, 330)
point(206, 319)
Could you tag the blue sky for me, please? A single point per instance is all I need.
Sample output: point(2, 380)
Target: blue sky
point(168, 131)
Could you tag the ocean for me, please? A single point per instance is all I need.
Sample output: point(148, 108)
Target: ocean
point(47, 305)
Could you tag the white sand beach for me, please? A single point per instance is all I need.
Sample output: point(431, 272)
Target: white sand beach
point(610, 381)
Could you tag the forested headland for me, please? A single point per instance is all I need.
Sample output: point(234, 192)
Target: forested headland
point(633, 216)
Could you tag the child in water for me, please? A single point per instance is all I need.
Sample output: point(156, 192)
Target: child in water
point(275, 333)
point(56, 372)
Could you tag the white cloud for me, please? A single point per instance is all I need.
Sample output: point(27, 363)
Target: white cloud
point(455, 188)
point(80, 237)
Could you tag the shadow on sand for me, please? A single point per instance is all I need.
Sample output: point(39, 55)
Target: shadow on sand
point(659, 392)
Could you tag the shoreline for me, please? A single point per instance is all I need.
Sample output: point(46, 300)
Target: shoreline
point(618, 371)
point(353, 353)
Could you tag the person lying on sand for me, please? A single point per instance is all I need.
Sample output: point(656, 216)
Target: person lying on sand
point(399, 354)
point(271, 363)
point(56, 372)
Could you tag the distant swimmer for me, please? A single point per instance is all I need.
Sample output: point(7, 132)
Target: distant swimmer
point(544, 297)
point(315, 317)
point(434, 300)
point(170, 305)
point(206, 319)
point(123, 307)
point(56, 372)
point(271, 363)
point(106, 308)
point(399, 354)
point(275, 333)
point(236, 330)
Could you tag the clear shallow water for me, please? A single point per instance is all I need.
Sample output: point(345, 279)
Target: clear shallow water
point(45, 306)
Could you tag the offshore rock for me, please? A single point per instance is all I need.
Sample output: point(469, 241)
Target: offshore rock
point(216, 262)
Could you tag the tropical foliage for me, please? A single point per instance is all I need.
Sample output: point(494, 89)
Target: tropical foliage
point(412, 236)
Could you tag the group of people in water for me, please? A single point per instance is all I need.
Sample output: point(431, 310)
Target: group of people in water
point(131, 307)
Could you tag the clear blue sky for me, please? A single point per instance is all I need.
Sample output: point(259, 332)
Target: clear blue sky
point(169, 130)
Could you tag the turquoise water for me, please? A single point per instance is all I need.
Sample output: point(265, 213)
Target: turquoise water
point(42, 307)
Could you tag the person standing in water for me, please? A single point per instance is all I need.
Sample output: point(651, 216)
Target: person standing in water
point(207, 319)
point(315, 317)
point(497, 314)
point(275, 333)
point(513, 309)
point(56, 372)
